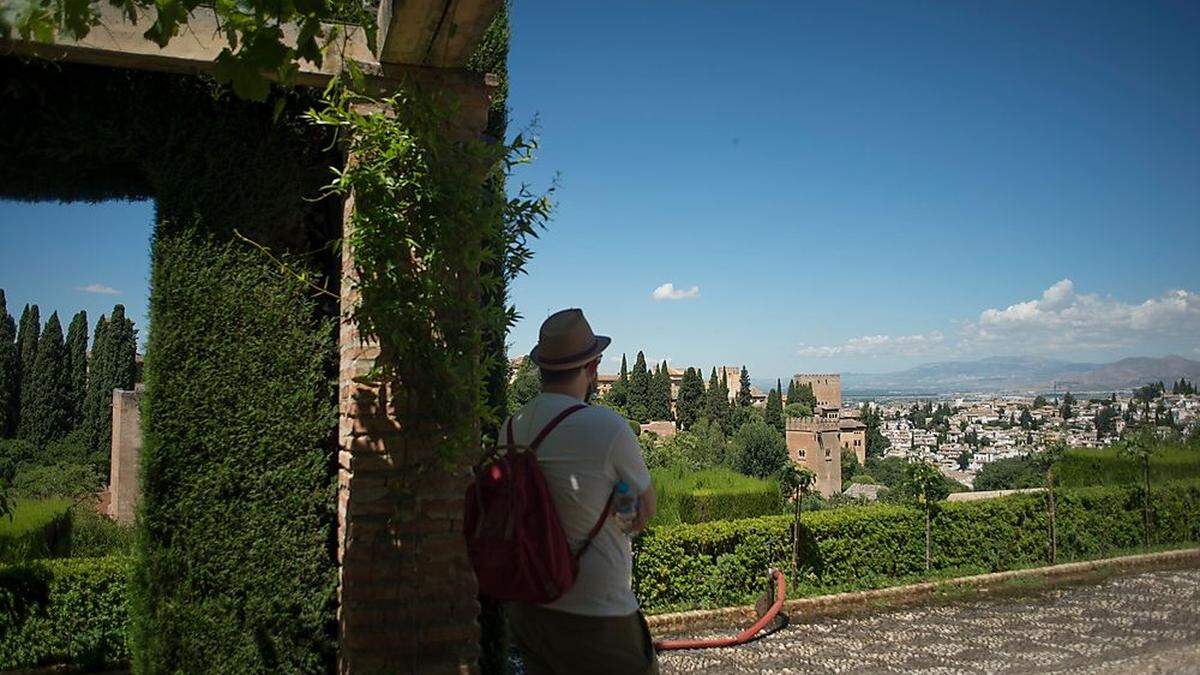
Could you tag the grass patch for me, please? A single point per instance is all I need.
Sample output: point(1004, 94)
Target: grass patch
point(38, 528)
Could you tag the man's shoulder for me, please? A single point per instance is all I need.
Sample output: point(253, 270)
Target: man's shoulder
point(604, 417)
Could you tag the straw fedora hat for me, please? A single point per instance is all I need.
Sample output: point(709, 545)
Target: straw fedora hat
point(566, 341)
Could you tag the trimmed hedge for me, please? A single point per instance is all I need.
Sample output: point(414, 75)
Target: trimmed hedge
point(687, 496)
point(1106, 466)
point(701, 506)
point(38, 529)
point(723, 563)
point(70, 611)
point(235, 559)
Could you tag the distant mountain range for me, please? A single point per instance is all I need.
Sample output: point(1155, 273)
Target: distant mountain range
point(1023, 374)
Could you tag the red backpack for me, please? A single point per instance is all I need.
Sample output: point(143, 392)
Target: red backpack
point(515, 540)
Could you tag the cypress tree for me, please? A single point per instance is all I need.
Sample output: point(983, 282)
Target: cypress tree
point(30, 329)
point(791, 393)
point(773, 413)
point(76, 368)
point(9, 371)
point(46, 417)
point(112, 366)
point(639, 390)
point(690, 406)
point(618, 395)
point(744, 397)
point(662, 393)
point(713, 410)
point(10, 387)
point(726, 415)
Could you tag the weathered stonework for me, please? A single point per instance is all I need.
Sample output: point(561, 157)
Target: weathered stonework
point(124, 492)
point(813, 443)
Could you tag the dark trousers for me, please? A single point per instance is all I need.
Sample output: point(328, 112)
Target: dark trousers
point(561, 643)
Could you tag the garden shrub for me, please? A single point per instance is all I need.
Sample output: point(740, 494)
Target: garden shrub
point(234, 560)
point(94, 535)
point(722, 563)
point(37, 529)
point(70, 611)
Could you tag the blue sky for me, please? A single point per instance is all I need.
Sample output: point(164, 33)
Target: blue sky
point(850, 186)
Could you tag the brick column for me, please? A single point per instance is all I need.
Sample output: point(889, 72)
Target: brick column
point(407, 595)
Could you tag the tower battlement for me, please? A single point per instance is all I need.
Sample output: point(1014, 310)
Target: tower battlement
point(816, 424)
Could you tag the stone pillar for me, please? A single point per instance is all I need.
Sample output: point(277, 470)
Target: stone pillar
point(124, 492)
point(407, 595)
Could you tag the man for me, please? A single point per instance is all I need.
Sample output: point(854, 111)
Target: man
point(596, 626)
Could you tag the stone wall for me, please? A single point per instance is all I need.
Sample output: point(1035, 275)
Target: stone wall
point(124, 492)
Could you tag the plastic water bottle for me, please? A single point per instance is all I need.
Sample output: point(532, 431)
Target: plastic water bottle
point(624, 507)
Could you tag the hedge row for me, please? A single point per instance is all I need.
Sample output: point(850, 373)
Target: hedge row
point(37, 529)
point(64, 611)
point(1106, 466)
point(702, 506)
point(723, 563)
point(235, 568)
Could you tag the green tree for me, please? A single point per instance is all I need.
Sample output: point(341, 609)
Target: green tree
point(1141, 446)
point(1106, 421)
point(773, 412)
point(1010, 473)
point(76, 368)
point(794, 484)
point(1048, 461)
point(639, 391)
point(794, 410)
point(964, 459)
point(618, 395)
point(850, 466)
point(791, 393)
point(1067, 410)
point(744, 397)
point(46, 417)
point(759, 449)
point(660, 389)
point(690, 406)
point(1039, 402)
point(526, 384)
point(112, 366)
point(805, 396)
point(28, 333)
point(925, 486)
point(877, 443)
point(10, 364)
point(714, 408)
point(725, 418)
point(1026, 419)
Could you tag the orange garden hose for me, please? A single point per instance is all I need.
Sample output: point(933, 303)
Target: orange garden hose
point(740, 638)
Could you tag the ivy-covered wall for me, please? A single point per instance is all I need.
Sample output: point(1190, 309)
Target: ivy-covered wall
point(235, 568)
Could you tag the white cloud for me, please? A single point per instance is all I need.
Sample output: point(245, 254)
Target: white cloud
point(1063, 318)
point(98, 288)
point(879, 345)
point(668, 292)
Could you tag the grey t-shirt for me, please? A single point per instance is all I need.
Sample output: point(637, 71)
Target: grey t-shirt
point(583, 459)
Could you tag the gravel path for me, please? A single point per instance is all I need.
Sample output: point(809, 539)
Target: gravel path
point(1142, 623)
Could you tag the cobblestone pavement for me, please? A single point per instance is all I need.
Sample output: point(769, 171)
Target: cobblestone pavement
point(1143, 623)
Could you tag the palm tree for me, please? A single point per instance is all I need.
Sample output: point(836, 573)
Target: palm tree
point(924, 484)
point(795, 483)
point(1141, 446)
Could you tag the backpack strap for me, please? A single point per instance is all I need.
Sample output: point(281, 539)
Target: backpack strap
point(549, 426)
point(595, 528)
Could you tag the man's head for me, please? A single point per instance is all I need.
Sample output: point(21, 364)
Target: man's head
point(568, 352)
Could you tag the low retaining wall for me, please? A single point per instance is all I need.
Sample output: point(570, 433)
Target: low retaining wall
point(983, 584)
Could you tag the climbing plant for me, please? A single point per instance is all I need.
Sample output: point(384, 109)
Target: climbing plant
point(423, 206)
point(257, 43)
